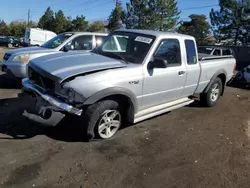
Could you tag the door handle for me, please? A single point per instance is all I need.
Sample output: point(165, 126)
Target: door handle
point(181, 73)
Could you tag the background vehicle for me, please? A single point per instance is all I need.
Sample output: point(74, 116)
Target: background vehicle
point(4, 41)
point(9, 41)
point(215, 50)
point(37, 36)
point(15, 61)
point(134, 75)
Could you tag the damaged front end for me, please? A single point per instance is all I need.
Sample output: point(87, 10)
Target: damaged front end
point(51, 107)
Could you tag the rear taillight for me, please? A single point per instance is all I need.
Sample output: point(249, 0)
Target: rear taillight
point(234, 67)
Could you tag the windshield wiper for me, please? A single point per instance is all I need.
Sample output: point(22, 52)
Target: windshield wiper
point(121, 58)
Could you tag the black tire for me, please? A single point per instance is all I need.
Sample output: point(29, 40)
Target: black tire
point(92, 115)
point(206, 98)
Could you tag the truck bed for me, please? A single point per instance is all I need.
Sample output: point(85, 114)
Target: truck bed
point(212, 65)
point(205, 57)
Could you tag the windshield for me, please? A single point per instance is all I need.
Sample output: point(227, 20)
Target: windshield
point(205, 50)
point(131, 47)
point(57, 40)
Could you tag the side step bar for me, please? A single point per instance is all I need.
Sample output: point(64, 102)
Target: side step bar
point(163, 108)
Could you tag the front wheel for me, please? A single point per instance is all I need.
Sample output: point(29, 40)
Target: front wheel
point(210, 98)
point(102, 119)
point(10, 45)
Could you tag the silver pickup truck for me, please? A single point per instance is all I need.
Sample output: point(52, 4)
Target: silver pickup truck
point(134, 75)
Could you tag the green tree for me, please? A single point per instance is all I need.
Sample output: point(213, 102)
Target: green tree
point(198, 27)
point(115, 18)
point(79, 24)
point(96, 26)
point(231, 21)
point(165, 14)
point(17, 28)
point(151, 14)
point(60, 22)
point(47, 20)
point(3, 28)
point(137, 15)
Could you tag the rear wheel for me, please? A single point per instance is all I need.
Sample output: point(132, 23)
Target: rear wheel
point(102, 119)
point(210, 98)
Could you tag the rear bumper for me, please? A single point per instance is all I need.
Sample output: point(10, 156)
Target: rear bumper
point(61, 106)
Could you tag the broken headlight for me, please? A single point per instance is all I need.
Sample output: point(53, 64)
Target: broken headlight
point(70, 95)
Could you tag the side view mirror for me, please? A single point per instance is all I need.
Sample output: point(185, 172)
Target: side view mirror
point(68, 47)
point(159, 62)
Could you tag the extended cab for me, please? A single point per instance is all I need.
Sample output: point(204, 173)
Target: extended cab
point(134, 75)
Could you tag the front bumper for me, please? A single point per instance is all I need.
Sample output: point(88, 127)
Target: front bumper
point(18, 70)
point(51, 100)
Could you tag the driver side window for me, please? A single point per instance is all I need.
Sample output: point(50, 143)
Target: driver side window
point(81, 43)
point(169, 49)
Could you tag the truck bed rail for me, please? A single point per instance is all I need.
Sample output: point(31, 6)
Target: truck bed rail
point(215, 57)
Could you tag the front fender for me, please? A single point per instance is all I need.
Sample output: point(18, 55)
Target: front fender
point(113, 91)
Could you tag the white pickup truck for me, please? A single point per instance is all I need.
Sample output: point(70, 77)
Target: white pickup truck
point(134, 75)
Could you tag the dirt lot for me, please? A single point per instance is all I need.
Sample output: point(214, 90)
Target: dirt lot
point(189, 147)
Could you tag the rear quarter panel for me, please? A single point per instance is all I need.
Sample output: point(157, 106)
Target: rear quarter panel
point(209, 68)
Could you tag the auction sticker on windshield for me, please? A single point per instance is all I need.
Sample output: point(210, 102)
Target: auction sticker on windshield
point(143, 39)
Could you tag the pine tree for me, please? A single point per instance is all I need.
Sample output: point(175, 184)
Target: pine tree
point(231, 21)
point(46, 21)
point(79, 24)
point(114, 21)
point(60, 22)
point(137, 15)
point(151, 14)
point(166, 14)
point(198, 27)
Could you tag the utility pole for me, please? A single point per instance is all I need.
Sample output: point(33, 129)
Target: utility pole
point(28, 17)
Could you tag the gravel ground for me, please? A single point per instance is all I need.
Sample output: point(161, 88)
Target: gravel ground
point(190, 147)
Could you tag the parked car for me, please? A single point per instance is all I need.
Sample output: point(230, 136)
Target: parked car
point(13, 42)
point(134, 75)
point(15, 61)
point(37, 36)
point(215, 50)
point(9, 41)
point(4, 41)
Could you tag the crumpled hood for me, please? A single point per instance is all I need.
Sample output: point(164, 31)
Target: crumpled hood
point(65, 65)
point(29, 50)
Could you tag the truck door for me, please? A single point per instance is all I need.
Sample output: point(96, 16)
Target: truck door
point(193, 68)
point(163, 85)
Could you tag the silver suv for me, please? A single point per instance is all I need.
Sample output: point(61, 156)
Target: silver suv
point(15, 61)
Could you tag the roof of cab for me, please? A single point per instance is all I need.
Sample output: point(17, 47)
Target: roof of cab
point(155, 33)
point(86, 33)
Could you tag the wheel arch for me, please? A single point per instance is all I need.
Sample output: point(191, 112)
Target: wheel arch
point(123, 95)
point(219, 74)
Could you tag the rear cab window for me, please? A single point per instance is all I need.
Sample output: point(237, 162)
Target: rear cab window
point(217, 52)
point(191, 52)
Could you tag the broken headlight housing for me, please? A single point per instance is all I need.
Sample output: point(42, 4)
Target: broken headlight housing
point(69, 95)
